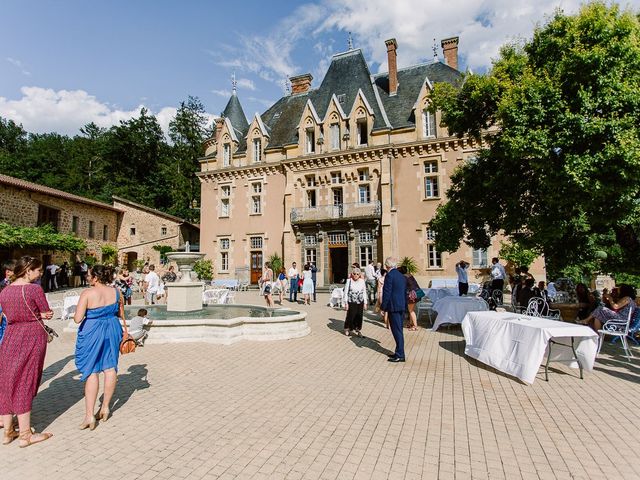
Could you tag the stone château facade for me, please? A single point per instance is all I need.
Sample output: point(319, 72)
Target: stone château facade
point(350, 171)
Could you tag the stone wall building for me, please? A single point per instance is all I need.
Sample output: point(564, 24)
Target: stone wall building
point(28, 204)
point(350, 171)
point(144, 227)
point(130, 227)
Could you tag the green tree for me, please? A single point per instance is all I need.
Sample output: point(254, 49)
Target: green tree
point(560, 172)
point(187, 131)
point(204, 269)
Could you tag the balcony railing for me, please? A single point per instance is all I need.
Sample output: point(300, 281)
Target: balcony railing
point(344, 211)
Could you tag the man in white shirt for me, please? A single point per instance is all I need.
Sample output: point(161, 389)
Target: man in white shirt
point(151, 286)
point(498, 275)
point(293, 283)
point(371, 282)
point(463, 277)
point(53, 271)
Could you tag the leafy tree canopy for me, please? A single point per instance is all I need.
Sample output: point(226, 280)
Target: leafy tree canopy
point(560, 115)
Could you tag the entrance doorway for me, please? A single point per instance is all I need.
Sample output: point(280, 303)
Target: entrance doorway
point(131, 261)
point(338, 264)
point(256, 267)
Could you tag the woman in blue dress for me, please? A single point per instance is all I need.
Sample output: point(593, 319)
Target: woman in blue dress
point(98, 345)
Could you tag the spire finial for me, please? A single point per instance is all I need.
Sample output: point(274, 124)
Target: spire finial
point(234, 83)
point(350, 43)
point(435, 51)
point(285, 86)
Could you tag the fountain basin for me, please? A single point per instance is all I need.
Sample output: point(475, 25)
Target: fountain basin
point(221, 324)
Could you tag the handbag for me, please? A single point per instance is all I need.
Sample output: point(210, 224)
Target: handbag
point(419, 294)
point(128, 344)
point(51, 333)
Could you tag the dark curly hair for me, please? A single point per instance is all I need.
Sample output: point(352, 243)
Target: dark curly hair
point(627, 291)
point(103, 273)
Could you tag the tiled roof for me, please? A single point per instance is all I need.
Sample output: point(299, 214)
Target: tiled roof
point(153, 211)
point(35, 187)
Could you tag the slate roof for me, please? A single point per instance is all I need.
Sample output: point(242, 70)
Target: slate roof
point(399, 107)
point(347, 74)
point(234, 112)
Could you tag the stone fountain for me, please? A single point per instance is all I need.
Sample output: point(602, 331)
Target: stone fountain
point(185, 295)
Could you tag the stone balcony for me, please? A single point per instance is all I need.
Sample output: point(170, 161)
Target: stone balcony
point(344, 211)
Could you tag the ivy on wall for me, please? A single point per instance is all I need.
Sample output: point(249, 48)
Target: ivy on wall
point(43, 237)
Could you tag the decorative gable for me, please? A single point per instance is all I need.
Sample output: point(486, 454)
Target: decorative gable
point(310, 130)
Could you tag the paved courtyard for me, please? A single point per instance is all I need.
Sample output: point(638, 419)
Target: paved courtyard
point(331, 407)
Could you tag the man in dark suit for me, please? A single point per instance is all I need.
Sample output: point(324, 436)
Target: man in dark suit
point(394, 302)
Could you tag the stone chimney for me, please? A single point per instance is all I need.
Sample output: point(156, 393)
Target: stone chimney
point(300, 83)
point(219, 121)
point(392, 47)
point(450, 51)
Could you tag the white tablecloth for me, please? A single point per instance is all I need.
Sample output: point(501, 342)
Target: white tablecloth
point(435, 294)
point(453, 309)
point(516, 344)
point(215, 295)
point(69, 306)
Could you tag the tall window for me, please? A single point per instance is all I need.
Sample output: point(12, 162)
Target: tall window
point(92, 229)
point(225, 200)
point(337, 196)
point(480, 258)
point(75, 225)
point(363, 134)
point(311, 199)
point(310, 255)
point(364, 194)
point(256, 243)
point(434, 257)
point(224, 254)
point(226, 155)
point(366, 254)
point(105, 232)
point(256, 198)
point(163, 231)
point(310, 140)
point(431, 183)
point(257, 150)
point(335, 136)
point(428, 124)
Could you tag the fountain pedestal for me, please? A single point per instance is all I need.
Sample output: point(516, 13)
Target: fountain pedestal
point(184, 297)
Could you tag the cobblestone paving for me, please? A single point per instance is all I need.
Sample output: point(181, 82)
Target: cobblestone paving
point(331, 407)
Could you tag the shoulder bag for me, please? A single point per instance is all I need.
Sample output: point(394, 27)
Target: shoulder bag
point(128, 344)
point(48, 330)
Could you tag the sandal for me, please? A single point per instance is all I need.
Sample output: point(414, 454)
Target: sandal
point(103, 416)
point(28, 438)
point(9, 436)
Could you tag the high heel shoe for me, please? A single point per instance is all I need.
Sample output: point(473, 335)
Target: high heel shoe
point(103, 416)
point(90, 425)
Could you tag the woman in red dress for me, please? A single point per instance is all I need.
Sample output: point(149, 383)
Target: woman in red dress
point(22, 350)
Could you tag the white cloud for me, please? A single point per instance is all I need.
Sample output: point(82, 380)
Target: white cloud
point(482, 26)
point(18, 64)
point(246, 83)
point(261, 101)
point(42, 110)
point(222, 93)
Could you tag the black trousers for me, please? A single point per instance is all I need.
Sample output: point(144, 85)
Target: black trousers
point(497, 284)
point(463, 288)
point(354, 316)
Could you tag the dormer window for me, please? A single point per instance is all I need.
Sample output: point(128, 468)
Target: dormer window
point(310, 140)
point(334, 130)
point(226, 155)
point(257, 150)
point(363, 132)
point(428, 124)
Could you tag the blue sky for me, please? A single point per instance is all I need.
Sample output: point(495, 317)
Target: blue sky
point(64, 63)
